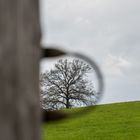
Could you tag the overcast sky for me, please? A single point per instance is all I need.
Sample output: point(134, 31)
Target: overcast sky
point(105, 30)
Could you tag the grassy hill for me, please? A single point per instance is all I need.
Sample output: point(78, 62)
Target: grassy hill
point(118, 121)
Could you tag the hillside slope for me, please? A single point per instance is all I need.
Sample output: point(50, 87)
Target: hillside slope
point(119, 121)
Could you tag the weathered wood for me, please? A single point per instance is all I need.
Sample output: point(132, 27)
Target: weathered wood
point(19, 70)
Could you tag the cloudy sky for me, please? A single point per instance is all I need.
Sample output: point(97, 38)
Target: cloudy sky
point(108, 31)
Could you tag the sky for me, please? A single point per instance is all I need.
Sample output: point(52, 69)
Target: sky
point(108, 31)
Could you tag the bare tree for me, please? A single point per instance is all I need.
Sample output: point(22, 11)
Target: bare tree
point(67, 85)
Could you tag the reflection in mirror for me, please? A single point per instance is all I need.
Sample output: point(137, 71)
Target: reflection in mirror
point(67, 82)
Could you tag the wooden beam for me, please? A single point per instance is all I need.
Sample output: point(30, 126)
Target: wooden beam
point(19, 70)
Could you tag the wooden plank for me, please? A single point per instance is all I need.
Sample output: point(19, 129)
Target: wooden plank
point(19, 70)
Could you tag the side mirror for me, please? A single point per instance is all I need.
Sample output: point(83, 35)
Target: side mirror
point(54, 115)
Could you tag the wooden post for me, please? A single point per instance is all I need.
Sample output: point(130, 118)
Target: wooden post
point(19, 70)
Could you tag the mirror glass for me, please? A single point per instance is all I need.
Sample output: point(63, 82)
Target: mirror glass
point(67, 82)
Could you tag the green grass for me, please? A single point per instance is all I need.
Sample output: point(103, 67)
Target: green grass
point(119, 121)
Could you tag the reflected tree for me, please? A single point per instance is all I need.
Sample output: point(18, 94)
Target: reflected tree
point(67, 85)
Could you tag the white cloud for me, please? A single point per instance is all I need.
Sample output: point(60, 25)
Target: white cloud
point(116, 65)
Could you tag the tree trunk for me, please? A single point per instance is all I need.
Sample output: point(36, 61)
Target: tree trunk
point(19, 70)
point(67, 103)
